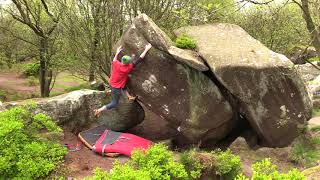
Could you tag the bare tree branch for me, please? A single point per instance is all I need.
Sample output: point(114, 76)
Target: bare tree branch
point(257, 2)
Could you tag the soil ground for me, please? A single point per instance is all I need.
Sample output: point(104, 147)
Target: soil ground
point(81, 163)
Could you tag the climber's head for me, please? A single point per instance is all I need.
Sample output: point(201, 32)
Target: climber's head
point(125, 59)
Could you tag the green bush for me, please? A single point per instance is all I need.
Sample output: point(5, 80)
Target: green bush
point(120, 172)
point(32, 69)
point(185, 42)
point(265, 170)
point(222, 163)
point(25, 153)
point(156, 163)
point(192, 163)
point(228, 165)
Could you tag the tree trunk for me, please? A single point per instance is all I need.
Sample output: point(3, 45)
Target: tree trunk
point(92, 72)
point(314, 33)
point(45, 75)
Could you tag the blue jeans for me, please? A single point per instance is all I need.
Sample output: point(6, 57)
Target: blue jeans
point(115, 95)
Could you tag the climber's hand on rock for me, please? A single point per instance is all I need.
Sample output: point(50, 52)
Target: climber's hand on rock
point(119, 49)
point(148, 46)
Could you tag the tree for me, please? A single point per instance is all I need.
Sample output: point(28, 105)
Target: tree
point(313, 28)
point(93, 27)
point(37, 16)
point(275, 25)
point(310, 13)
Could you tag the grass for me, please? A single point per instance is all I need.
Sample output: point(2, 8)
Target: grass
point(315, 128)
point(315, 112)
point(14, 96)
point(306, 150)
point(314, 59)
point(3, 95)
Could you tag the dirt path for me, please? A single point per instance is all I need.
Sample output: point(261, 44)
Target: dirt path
point(14, 82)
point(16, 87)
point(315, 121)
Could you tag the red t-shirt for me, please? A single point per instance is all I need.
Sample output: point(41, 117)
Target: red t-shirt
point(119, 74)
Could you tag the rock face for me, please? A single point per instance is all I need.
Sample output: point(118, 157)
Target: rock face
point(75, 110)
point(272, 96)
point(182, 95)
point(308, 72)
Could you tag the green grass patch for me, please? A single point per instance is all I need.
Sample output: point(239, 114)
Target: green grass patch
point(306, 150)
point(14, 96)
point(67, 78)
point(315, 112)
point(3, 95)
point(33, 81)
point(81, 86)
point(314, 59)
point(315, 128)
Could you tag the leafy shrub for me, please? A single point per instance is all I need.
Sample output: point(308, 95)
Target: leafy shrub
point(32, 69)
point(241, 177)
point(192, 163)
point(25, 153)
point(265, 170)
point(120, 172)
point(156, 163)
point(185, 42)
point(159, 162)
point(222, 163)
point(228, 165)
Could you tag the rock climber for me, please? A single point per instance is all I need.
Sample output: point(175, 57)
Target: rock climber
point(119, 77)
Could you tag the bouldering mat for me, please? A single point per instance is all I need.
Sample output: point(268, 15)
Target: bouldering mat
point(107, 142)
point(90, 136)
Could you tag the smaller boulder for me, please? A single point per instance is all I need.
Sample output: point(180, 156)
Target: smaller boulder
point(188, 57)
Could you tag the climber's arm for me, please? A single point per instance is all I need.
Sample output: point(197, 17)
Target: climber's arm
point(143, 54)
point(115, 58)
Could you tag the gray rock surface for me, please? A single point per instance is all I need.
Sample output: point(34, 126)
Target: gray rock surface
point(272, 95)
point(75, 110)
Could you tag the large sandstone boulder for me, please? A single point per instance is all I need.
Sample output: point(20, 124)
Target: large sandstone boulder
point(75, 110)
point(272, 96)
point(175, 90)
